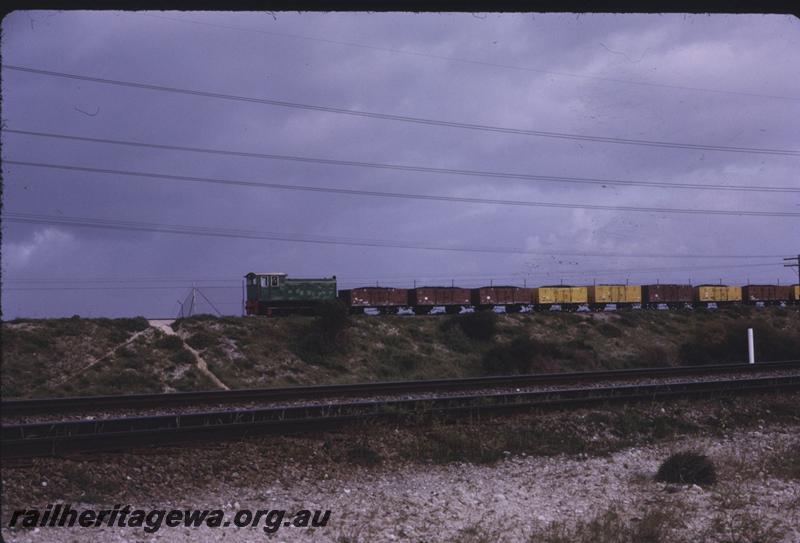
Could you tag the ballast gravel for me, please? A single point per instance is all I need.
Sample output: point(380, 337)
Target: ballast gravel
point(506, 501)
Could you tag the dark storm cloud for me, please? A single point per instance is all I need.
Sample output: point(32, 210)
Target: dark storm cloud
point(747, 54)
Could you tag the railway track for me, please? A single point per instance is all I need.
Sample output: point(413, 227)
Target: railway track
point(56, 438)
point(20, 408)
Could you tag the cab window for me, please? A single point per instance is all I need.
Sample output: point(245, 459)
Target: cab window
point(263, 281)
point(274, 280)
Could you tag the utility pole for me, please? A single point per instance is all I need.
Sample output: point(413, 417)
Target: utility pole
point(796, 264)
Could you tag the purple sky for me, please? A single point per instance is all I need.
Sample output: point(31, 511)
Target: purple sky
point(719, 80)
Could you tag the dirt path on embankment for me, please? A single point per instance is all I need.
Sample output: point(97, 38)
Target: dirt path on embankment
point(165, 326)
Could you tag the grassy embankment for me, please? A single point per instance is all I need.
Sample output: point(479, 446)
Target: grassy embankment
point(51, 357)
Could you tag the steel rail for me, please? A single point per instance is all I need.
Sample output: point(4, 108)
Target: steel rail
point(24, 407)
point(54, 438)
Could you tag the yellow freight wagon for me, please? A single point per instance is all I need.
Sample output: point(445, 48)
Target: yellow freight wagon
point(718, 293)
point(615, 294)
point(797, 293)
point(560, 295)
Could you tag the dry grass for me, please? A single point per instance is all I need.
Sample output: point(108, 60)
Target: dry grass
point(248, 352)
point(655, 525)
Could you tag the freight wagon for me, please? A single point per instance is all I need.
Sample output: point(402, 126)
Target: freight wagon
point(669, 296)
point(603, 296)
point(424, 299)
point(560, 297)
point(712, 295)
point(383, 299)
point(766, 294)
point(512, 298)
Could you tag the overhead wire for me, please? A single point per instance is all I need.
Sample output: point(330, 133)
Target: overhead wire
point(410, 168)
point(327, 240)
point(407, 196)
point(368, 279)
point(404, 118)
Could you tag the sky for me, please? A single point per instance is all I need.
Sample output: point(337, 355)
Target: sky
point(528, 109)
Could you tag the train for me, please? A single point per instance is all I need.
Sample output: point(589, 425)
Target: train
point(276, 293)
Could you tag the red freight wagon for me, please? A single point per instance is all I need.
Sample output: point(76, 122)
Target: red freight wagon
point(374, 297)
point(491, 296)
point(766, 293)
point(674, 295)
point(439, 296)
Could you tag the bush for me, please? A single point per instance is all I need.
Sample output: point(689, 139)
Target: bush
point(715, 344)
point(200, 340)
point(519, 356)
point(170, 343)
point(327, 332)
point(687, 468)
point(332, 316)
point(481, 325)
point(609, 330)
point(182, 357)
point(363, 455)
point(610, 526)
point(136, 324)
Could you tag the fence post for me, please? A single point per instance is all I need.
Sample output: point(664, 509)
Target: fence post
point(750, 347)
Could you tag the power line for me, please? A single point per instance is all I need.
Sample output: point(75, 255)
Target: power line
point(407, 196)
point(113, 280)
point(302, 238)
point(409, 168)
point(342, 279)
point(405, 118)
point(471, 61)
point(118, 287)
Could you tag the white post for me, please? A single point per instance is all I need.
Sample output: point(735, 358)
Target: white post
point(750, 348)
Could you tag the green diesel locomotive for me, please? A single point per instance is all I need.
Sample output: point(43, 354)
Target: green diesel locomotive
point(276, 294)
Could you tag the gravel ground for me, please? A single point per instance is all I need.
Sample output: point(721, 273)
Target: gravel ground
point(416, 502)
point(201, 408)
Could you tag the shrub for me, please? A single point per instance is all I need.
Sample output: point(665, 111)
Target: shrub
point(136, 324)
point(363, 455)
point(327, 333)
point(609, 330)
point(687, 468)
point(182, 357)
point(170, 343)
point(200, 340)
point(519, 356)
point(610, 526)
point(456, 445)
point(481, 325)
point(124, 352)
point(714, 344)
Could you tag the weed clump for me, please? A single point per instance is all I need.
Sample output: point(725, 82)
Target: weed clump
point(610, 526)
point(200, 340)
point(363, 455)
point(481, 325)
point(609, 330)
point(521, 355)
point(687, 468)
point(170, 343)
point(327, 333)
point(716, 343)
